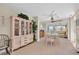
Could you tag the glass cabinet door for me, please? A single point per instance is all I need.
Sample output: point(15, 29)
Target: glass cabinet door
point(26, 27)
point(16, 29)
point(22, 27)
point(30, 28)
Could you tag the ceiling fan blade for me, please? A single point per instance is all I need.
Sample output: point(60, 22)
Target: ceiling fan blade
point(56, 20)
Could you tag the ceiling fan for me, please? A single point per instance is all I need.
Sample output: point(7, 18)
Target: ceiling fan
point(55, 21)
point(52, 15)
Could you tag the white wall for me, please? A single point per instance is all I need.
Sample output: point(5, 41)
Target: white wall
point(69, 29)
point(73, 31)
point(6, 12)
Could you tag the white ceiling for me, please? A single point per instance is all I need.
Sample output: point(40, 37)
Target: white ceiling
point(43, 9)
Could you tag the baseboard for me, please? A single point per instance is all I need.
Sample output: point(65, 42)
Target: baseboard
point(23, 46)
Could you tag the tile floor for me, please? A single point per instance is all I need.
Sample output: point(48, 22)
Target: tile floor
point(61, 46)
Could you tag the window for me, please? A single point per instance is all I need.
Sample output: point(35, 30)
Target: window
point(60, 28)
point(51, 29)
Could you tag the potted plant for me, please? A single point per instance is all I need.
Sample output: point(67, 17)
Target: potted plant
point(21, 15)
point(34, 28)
